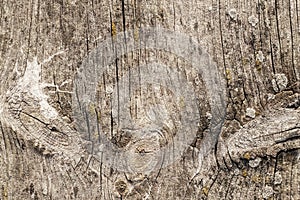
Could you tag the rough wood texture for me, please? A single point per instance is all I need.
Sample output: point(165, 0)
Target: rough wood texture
point(256, 47)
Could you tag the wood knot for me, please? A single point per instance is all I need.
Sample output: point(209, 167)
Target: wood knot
point(121, 186)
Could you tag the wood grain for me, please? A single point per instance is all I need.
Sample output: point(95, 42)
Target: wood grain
point(42, 153)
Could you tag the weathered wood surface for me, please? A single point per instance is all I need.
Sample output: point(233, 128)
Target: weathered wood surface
point(255, 45)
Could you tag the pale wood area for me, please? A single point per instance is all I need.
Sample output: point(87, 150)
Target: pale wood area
point(255, 45)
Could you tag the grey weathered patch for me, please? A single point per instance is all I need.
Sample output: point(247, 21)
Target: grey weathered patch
point(277, 178)
point(255, 163)
point(279, 82)
point(253, 20)
point(233, 13)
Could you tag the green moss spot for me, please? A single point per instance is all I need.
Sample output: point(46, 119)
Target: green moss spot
point(247, 156)
point(205, 191)
point(113, 29)
point(228, 74)
point(244, 173)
